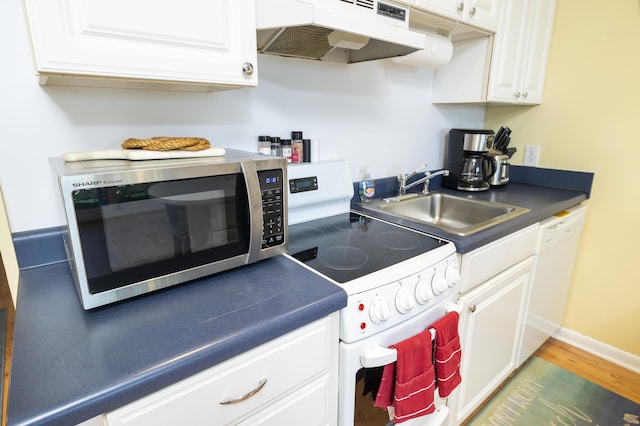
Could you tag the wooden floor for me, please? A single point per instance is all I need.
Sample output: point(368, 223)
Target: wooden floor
point(604, 373)
point(6, 302)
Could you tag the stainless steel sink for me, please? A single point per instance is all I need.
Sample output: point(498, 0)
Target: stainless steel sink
point(450, 213)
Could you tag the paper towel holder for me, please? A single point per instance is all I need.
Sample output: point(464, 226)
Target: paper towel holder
point(437, 52)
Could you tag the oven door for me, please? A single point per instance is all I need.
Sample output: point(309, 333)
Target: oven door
point(358, 409)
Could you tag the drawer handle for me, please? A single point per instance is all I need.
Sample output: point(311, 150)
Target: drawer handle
point(246, 396)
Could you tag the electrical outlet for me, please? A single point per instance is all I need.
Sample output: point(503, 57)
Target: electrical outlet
point(531, 155)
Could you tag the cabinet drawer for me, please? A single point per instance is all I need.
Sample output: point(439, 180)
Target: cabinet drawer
point(287, 363)
point(309, 403)
point(487, 261)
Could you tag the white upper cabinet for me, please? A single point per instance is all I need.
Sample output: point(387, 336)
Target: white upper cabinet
point(187, 45)
point(508, 67)
point(482, 14)
point(521, 50)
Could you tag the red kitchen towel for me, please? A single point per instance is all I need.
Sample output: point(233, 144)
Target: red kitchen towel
point(384, 397)
point(412, 392)
point(447, 353)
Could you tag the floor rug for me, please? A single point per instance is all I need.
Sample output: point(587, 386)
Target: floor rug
point(542, 393)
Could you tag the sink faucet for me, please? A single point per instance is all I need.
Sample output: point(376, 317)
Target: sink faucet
point(403, 178)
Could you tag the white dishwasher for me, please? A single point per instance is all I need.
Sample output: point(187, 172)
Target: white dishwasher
point(557, 252)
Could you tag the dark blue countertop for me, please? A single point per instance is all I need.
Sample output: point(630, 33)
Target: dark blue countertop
point(70, 365)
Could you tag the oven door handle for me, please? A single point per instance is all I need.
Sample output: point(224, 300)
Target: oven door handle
point(455, 307)
point(377, 356)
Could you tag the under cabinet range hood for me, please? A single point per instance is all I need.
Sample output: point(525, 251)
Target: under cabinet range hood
point(345, 31)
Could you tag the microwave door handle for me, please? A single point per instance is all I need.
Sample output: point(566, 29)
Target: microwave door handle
point(255, 206)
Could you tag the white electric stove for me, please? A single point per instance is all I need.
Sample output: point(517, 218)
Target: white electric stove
point(398, 281)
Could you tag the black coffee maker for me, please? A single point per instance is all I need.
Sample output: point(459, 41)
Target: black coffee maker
point(467, 161)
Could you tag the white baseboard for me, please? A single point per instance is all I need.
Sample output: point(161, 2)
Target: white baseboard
point(602, 350)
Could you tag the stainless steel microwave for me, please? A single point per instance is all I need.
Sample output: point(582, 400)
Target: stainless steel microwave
point(140, 226)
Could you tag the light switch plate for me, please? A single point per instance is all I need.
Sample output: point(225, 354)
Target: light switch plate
point(531, 155)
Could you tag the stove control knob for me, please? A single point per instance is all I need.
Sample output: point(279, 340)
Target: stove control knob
point(379, 311)
point(423, 291)
point(405, 301)
point(439, 284)
point(452, 275)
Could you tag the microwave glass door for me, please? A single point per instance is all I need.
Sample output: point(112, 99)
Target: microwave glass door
point(131, 233)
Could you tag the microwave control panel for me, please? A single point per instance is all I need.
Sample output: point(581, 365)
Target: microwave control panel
point(272, 207)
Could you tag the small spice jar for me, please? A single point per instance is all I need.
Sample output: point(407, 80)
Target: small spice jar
point(264, 145)
point(296, 147)
point(276, 148)
point(286, 149)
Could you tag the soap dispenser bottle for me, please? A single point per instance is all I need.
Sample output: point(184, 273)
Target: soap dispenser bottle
point(367, 186)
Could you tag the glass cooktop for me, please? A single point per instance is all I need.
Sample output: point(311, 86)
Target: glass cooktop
point(348, 246)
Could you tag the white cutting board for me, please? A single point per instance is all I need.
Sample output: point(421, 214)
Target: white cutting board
point(140, 154)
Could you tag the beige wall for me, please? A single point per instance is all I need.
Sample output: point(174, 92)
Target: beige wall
point(589, 120)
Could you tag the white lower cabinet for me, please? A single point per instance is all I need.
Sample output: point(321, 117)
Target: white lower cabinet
point(308, 403)
point(495, 284)
point(477, 266)
point(290, 380)
point(491, 326)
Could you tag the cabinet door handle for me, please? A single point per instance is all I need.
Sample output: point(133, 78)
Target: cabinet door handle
point(461, 7)
point(247, 68)
point(525, 94)
point(473, 11)
point(517, 94)
point(246, 396)
point(472, 308)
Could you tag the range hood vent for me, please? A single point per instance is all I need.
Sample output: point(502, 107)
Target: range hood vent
point(346, 31)
point(303, 42)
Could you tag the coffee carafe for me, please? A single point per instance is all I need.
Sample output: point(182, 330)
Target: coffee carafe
point(476, 170)
point(467, 161)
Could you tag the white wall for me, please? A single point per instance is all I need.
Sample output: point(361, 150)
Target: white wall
point(377, 113)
